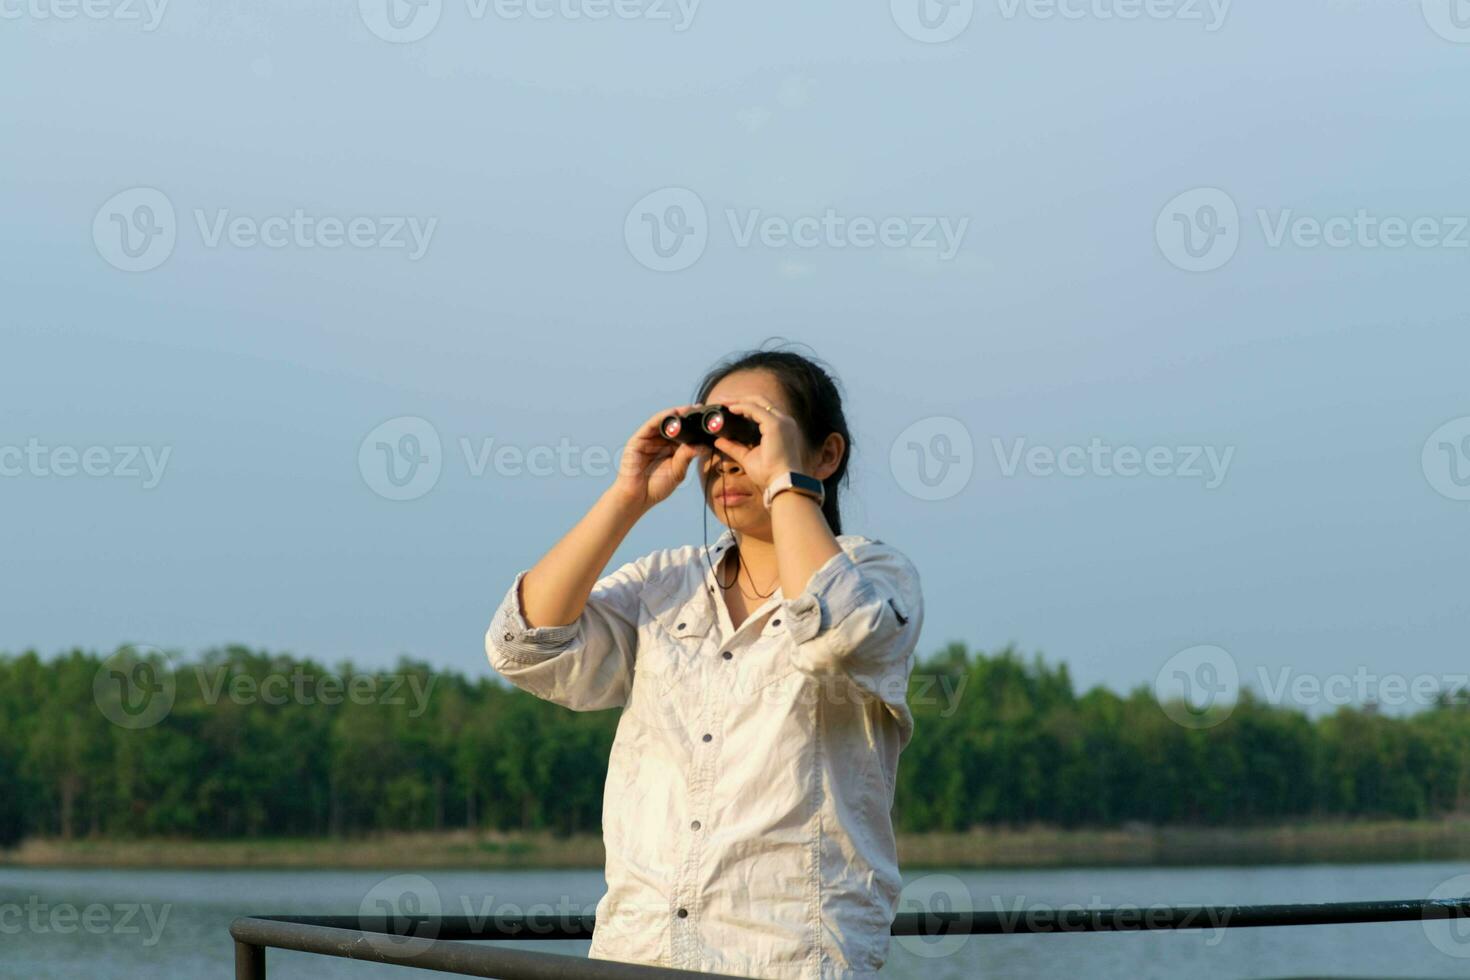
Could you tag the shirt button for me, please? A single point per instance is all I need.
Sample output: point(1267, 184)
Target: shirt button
point(694, 825)
point(508, 636)
point(707, 736)
point(683, 913)
point(727, 654)
point(681, 625)
point(775, 622)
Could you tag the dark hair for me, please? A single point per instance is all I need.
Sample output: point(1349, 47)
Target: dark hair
point(816, 404)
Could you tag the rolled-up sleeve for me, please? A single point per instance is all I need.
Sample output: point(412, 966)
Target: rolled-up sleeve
point(585, 665)
point(860, 618)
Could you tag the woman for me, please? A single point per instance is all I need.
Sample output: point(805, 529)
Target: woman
point(747, 809)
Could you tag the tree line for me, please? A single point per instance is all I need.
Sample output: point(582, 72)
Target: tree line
point(253, 744)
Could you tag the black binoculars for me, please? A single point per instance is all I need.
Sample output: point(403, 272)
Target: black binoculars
point(701, 426)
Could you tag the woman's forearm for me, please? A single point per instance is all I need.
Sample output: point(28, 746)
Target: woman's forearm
point(804, 541)
point(555, 590)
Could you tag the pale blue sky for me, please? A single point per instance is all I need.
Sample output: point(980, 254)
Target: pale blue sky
point(529, 318)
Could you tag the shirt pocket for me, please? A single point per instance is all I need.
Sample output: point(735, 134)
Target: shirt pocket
point(766, 666)
point(673, 633)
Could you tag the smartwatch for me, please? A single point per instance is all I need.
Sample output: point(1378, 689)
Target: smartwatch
point(800, 482)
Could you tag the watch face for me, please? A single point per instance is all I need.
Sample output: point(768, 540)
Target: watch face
point(805, 482)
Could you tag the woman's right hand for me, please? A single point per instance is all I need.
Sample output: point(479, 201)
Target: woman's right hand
point(651, 466)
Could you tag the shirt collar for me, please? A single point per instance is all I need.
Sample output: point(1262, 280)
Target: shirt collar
point(722, 544)
point(711, 564)
point(716, 554)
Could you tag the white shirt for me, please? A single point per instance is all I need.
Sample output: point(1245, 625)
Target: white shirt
point(747, 809)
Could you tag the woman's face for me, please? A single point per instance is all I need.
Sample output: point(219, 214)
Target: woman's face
point(727, 491)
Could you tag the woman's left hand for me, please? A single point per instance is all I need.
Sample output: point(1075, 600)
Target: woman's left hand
point(780, 449)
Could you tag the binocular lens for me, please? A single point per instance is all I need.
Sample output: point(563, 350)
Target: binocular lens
point(708, 423)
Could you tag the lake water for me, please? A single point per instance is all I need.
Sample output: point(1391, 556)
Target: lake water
point(114, 924)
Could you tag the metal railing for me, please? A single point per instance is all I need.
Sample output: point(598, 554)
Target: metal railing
point(437, 942)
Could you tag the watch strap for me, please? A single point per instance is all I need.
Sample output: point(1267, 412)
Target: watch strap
point(800, 482)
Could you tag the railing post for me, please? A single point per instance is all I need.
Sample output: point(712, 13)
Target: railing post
point(249, 961)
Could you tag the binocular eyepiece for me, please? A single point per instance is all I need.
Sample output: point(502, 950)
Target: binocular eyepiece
point(701, 426)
